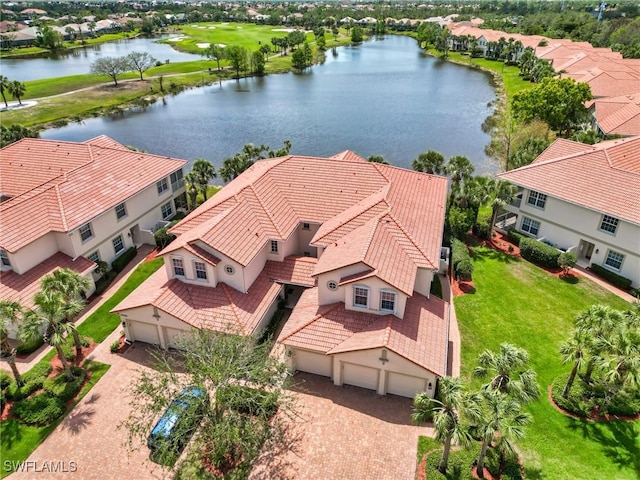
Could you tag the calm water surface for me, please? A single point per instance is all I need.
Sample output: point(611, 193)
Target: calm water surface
point(78, 60)
point(383, 97)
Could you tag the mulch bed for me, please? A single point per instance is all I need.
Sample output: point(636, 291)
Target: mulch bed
point(123, 346)
point(594, 417)
point(152, 255)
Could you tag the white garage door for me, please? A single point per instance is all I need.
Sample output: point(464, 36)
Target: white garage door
point(360, 376)
point(311, 362)
point(145, 332)
point(173, 336)
point(405, 385)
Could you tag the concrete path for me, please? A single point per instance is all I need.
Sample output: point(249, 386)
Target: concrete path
point(455, 342)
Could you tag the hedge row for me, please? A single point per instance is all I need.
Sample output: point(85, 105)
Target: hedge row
point(614, 278)
point(461, 261)
point(119, 263)
point(515, 236)
point(539, 253)
point(41, 409)
point(58, 386)
point(33, 381)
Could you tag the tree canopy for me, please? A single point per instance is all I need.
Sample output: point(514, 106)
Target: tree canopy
point(110, 66)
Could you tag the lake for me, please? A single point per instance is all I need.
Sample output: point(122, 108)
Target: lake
point(383, 97)
point(77, 61)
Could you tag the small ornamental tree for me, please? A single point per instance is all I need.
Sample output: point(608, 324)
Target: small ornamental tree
point(566, 261)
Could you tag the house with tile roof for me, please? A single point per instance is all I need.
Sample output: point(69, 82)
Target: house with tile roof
point(351, 246)
point(67, 204)
point(584, 199)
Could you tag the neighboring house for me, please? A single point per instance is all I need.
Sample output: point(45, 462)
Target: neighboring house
point(352, 246)
point(67, 204)
point(585, 199)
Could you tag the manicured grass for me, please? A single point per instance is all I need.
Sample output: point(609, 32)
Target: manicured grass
point(101, 323)
point(427, 444)
point(519, 303)
point(17, 440)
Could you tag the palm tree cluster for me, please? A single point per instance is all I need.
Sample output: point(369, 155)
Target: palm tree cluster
point(60, 299)
point(493, 414)
point(15, 88)
point(604, 348)
point(198, 179)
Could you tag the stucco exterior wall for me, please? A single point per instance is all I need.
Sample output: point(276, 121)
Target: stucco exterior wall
point(34, 253)
point(424, 277)
point(161, 320)
point(326, 296)
point(255, 267)
point(375, 287)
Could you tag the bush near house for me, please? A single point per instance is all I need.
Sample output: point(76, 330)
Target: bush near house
point(29, 346)
point(40, 409)
point(539, 253)
point(33, 381)
point(515, 237)
point(5, 379)
point(60, 387)
point(119, 263)
point(613, 278)
point(462, 266)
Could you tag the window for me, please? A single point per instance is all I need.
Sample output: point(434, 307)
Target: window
point(537, 199)
point(121, 211)
point(229, 269)
point(387, 301)
point(94, 257)
point(201, 270)
point(178, 267)
point(4, 259)
point(176, 180)
point(162, 186)
point(360, 297)
point(118, 244)
point(274, 246)
point(609, 224)
point(614, 260)
point(167, 210)
point(86, 232)
point(530, 226)
point(306, 226)
point(332, 285)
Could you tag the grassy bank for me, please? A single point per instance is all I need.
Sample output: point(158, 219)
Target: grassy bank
point(519, 303)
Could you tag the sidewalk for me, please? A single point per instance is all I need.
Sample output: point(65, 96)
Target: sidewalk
point(25, 364)
point(615, 290)
point(455, 342)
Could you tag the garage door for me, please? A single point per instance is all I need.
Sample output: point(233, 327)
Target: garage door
point(145, 332)
point(173, 337)
point(405, 385)
point(312, 362)
point(360, 376)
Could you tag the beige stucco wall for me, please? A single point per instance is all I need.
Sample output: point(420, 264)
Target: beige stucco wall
point(256, 266)
point(146, 314)
point(424, 277)
point(375, 286)
point(34, 253)
point(326, 296)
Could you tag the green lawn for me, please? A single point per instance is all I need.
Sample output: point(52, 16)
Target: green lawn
point(519, 303)
point(17, 440)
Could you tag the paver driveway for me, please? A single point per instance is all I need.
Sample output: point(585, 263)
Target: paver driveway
point(347, 433)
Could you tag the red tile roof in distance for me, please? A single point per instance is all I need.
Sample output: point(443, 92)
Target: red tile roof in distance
point(608, 179)
point(59, 186)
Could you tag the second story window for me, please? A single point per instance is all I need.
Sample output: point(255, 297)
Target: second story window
point(4, 259)
point(361, 297)
point(121, 211)
point(537, 199)
point(201, 270)
point(387, 301)
point(274, 246)
point(177, 181)
point(162, 186)
point(178, 267)
point(86, 232)
point(609, 224)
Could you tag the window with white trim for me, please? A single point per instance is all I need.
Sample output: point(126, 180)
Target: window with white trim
point(530, 226)
point(167, 210)
point(274, 246)
point(614, 260)
point(121, 211)
point(4, 258)
point(609, 224)
point(94, 257)
point(332, 285)
point(201, 270)
point(178, 266)
point(162, 186)
point(537, 199)
point(361, 297)
point(118, 244)
point(387, 301)
point(86, 232)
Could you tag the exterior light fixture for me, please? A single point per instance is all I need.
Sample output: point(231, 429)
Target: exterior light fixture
point(430, 386)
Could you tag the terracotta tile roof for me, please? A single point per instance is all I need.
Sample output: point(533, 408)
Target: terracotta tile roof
point(202, 253)
point(348, 155)
point(59, 186)
point(223, 308)
point(609, 180)
point(23, 288)
point(421, 336)
point(293, 270)
point(618, 115)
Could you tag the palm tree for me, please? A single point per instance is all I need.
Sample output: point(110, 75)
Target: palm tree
point(16, 89)
point(429, 162)
point(460, 169)
point(621, 363)
point(192, 188)
point(508, 371)
point(71, 286)
point(10, 314)
point(475, 192)
point(503, 192)
point(4, 84)
point(203, 171)
point(495, 415)
point(51, 311)
point(234, 166)
point(574, 350)
point(598, 321)
point(445, 415)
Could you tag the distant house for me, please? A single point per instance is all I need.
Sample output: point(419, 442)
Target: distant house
point(351, 246)
point(67, 204)
point(585, 199)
